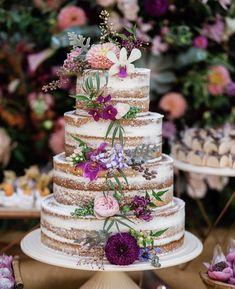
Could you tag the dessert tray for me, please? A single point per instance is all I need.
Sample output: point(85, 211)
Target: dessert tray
point(32, 246)
point(204, 170)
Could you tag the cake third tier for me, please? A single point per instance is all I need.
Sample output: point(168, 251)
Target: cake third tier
point(72, 188)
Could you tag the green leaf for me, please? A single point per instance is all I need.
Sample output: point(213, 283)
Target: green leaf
point(151, 204)
point(97, 76)
point(158, 233)
point(123, 175)
point(158, 195)
point(126, 218)
point(121, 138)
point(116, 223)
point(105, 223)
point(111, 185)
point(110, 225)
point(118, 183)
point(109, 128)
point(114, 134)
point(147, 195)
point(124, 224)
point(80, 141)
point(82, 97)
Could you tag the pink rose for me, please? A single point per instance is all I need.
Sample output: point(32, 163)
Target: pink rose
point(105, 206)
point(71, 16)
point(174, 103)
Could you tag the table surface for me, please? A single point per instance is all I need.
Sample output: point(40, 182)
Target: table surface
point(17, 213)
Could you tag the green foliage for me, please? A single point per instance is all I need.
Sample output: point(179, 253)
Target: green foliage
point(132, 113)
point(158, 195)
point(142, 153)
point(117, 132)
point(85, 210)
point(117, 221)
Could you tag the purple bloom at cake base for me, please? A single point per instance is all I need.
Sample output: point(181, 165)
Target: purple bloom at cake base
point(109, 113)
point(122, 249)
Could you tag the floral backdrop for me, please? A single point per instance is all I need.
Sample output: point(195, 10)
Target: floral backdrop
point(191, 52)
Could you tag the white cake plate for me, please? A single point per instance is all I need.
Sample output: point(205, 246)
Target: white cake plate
point(110, 276)
point(204, 170)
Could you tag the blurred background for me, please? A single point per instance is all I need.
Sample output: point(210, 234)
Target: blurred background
point(188, 41)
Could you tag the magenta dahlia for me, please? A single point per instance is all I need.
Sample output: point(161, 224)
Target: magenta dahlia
point(122, 249)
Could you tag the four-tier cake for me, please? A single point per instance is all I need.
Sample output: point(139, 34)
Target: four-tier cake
point(113, 187)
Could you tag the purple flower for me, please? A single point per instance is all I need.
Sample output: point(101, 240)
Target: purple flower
point(6, 272)
point(109, 113)
point(122, 72)
point(156, 8)
point(220, 272)
point(6, 261)
point(122, 249)
point(147, 254)
point(214, 31)
point(230, 89)
point(95, 114)
point(200, 42)
point(91, 169)
point(140, 201)
point(104, 99)
point(144, 215)
point(7, 283)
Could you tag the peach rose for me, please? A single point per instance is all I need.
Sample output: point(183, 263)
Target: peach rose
point(218, 78)
point(105, 206)
point(174, 103)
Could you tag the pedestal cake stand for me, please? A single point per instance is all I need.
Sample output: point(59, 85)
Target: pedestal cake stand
point(109, 276)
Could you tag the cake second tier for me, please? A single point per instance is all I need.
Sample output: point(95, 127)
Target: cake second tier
point(145, 129)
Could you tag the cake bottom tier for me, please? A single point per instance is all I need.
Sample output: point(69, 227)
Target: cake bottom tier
point(63, 232)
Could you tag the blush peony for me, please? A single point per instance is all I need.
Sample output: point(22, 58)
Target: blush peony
point(105, 206)
point(174, 103)
point(71, 16)
point(97, 55)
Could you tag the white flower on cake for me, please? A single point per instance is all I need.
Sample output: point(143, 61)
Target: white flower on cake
point(123, 66)
point(122, 109)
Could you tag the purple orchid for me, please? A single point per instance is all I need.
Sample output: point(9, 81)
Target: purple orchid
point(91, 169)
point(6, 261)
point(122, 72)
point(109, 113)
point(95, 114)
point(104, 99)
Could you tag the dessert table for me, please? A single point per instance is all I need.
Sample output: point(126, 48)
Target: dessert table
point(228, 172)
point(108, 276)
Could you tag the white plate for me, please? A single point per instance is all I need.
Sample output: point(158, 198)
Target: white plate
point(31, 245)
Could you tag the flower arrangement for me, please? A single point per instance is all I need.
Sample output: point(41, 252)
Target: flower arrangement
point(6, 272)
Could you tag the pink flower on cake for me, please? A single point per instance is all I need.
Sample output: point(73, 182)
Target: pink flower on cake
point(123, 66)
point(218, 78)
point(122, 109)
point(97, 55)
point(71, 16)
point(105, 206)
point(174, 103)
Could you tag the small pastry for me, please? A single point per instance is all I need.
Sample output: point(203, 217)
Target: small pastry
point(213, 161)
point(181, 156)
point(224, 161)
point(194, 159)
point(224, 146)
point(42, 190)
point(196, 144)
point(25, 193)
point(210, 146)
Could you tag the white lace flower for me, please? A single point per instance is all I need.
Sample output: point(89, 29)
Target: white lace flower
point(123, 66)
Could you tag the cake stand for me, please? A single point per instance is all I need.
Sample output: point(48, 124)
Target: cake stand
point(109, 276)
point(223, 172)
